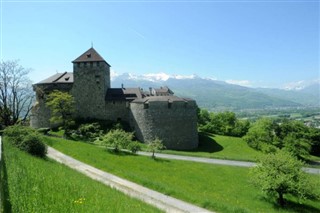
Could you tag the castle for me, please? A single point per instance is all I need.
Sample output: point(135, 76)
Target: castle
point(154, 113)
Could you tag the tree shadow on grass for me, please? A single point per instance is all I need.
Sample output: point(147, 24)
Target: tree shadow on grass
point(297, 207)
point(207, 144)
point(120, 152)
point(291, 206)
point(5, 195)
point(161, 160)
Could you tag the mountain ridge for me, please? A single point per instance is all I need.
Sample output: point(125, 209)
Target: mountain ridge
point(219, 95)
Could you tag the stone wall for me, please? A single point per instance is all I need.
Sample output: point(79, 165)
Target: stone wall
point(91, 81)
point(40, 113)
point(175, 123)
point(117, 111)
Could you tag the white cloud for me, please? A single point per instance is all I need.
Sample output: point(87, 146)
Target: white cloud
point(156, 76)
point(298, 85)
point(244, 83)
point(185, 76)
point(113, 74)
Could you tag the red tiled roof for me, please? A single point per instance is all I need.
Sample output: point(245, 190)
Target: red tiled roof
point(89, 56)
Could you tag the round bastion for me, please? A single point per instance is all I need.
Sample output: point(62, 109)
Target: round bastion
point(169, 118)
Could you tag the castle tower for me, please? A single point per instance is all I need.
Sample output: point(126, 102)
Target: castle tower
point(91, 82)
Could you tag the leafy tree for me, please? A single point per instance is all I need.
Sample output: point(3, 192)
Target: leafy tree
point(116, 139)
point(222, 123)
point(262, 134)
point(16, 93)
point(298, 146)
point(293, 136)
point(281, 173)
point(154, 146)
point(203, 116)
point(314, 137)
point(61, 105)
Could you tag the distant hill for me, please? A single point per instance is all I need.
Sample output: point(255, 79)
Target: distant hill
point(219, 95)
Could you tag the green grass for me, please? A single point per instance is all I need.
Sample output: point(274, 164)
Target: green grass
point(218, 188)
point(227, 147)
point(222, 147)
point(33, 184)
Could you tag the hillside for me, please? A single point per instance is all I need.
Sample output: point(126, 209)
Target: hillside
point(219, 95)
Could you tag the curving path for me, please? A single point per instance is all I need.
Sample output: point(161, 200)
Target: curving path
point(217, 161)
point(161, 201)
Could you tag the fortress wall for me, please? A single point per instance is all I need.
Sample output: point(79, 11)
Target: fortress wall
point(40, 113)
point(116, 111)
point(175, 125)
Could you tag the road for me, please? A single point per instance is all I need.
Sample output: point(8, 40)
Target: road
point(217, 161)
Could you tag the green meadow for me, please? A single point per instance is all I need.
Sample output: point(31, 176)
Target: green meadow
point(217, 188)
point(222, 147)
point(31, 184)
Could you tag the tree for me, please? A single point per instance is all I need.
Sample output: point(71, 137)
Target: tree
point(61, 105)
point(298, 146)
point(117, 139)
point(281, 173)
point(293, 136)
point(262, 134)
point(154, 146)
point(16, 95)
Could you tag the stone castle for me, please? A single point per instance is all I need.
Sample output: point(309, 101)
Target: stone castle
point(153, 113)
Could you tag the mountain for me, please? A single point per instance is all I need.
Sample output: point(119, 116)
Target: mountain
point(308, 96)
point(218, 95)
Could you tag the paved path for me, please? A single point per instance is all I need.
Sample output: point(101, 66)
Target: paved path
point(161, 201)
point(216, 161)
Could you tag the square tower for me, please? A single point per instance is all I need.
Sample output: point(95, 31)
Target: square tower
point(91, 82)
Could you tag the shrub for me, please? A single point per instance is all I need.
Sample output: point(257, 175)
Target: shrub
point(43, 131)
point(116, 139)
point(90, 132)
point(154, 146)
point(32, 144)
point(134, 147)
point(26, 139)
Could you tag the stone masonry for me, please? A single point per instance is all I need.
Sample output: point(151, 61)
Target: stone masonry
point(154, 114)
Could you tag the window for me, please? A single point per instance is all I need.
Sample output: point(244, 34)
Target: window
point(169, 105)
point(146, 106)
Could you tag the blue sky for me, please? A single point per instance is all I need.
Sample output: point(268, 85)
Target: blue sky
point(256, 43)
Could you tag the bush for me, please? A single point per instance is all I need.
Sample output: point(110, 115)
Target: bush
point(134, 147)
point(26, 139)
point(43, 131)
point(32, 144)
point(90, 132)
point(116, 139)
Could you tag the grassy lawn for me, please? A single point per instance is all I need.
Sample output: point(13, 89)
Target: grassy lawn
point(226, 147)
point(223, 147)
point(218, 188)
point(32, 184)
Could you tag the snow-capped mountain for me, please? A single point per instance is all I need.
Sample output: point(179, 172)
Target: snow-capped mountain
point(214, 94)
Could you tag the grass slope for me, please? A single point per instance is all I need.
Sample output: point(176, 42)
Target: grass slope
point(218, 188)
point(36, 185)
point(223, 147)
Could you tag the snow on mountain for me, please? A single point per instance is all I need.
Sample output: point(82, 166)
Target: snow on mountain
point(300, 85)
point(152, 77)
